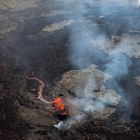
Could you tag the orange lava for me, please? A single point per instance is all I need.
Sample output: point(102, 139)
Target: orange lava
point(59, 104)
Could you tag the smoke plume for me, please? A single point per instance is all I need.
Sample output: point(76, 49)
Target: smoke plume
point(91, 41)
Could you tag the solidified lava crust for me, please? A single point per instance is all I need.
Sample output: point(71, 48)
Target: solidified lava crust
point(35, 40)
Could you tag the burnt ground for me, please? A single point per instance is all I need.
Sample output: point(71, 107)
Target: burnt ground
point(25, 48)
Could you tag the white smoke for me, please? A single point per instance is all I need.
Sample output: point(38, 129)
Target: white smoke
point(119, 64)
point(87, 37)
point(138, 4)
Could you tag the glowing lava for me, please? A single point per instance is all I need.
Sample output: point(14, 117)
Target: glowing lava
point(57, 102)
point(41, 89)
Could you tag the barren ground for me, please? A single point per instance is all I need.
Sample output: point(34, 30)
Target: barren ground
point(34, 38)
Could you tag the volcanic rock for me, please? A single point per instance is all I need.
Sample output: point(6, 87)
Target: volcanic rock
point(57, 26)
point(128, 44)
point(137, 80)
point(17, 4)
point(34, 36)
point(85, 92)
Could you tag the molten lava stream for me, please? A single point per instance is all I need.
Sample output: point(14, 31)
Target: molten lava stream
point(41, 89)
point(57, 102)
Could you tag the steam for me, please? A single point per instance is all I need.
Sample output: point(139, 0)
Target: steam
point(118, 65)
point(88, 44)
point(138, 3)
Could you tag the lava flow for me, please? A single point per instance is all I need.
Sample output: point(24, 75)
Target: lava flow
point(57, 102)
point(59, 105)
point(41, 89)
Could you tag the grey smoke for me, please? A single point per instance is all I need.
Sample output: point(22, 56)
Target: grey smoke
point(87, 38)
point(118, 65)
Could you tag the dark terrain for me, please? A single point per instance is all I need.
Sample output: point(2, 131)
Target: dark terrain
point(25, 48)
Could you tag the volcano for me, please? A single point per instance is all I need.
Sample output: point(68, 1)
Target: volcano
point(69, 70)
